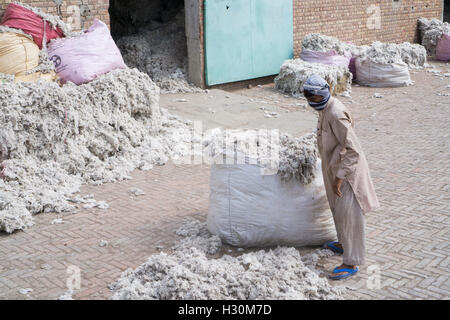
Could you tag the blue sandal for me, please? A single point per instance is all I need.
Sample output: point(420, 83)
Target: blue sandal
point(331, 245)
point(349, 272)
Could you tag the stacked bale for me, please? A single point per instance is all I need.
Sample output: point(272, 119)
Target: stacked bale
point(294, 73)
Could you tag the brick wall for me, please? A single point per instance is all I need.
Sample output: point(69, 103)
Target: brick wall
point(69, 10)
point(347, 19)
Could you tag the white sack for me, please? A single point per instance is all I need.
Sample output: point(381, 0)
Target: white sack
point(247, 209)
point(372, 74)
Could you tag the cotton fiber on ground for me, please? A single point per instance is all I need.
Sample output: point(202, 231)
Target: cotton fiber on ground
point(55, 138)
point(189, 273)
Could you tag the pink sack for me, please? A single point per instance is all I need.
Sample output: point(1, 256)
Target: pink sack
point(330, 57)
point(443, 48)
point(83, 58)
point(29, 22)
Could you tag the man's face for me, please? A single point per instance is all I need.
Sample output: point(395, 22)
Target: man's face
point(314, 99)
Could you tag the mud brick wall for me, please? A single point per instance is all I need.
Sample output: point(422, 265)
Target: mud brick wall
point(70, 10)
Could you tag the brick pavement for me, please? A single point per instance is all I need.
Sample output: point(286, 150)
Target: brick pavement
point(406, 140)
point(133, 227)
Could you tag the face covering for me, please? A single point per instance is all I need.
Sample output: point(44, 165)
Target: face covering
point(319, 87)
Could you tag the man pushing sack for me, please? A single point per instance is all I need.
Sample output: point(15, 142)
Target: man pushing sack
point(346, 175)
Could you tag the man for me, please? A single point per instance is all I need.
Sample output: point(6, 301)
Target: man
point(346, 175)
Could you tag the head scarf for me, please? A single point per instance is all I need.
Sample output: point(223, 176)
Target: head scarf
point(319, 87)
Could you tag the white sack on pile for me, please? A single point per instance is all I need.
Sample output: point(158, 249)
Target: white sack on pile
point(373, 74)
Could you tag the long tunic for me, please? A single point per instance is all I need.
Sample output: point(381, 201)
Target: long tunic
point(342, 156)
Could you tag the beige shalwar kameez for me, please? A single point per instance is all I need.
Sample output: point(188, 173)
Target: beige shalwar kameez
point(343, 158)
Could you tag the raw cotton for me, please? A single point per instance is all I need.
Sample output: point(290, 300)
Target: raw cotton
point(6, 78)
point(383, 53)
point(188, 273)
point(294, 73)
point(195, 235)
point(161, 52)
point(288, 156)
point(322, 43)
point(412, 54)
point(136, 192)
point(55, 138)
point(66, 295)
point(5, 29)
point(431, 31)
point(45, 64)
point(298, 158)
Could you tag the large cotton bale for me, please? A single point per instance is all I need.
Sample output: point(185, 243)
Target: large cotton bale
point(248, 209)
point(294, 73)
point(382, 75)
point(251, 206)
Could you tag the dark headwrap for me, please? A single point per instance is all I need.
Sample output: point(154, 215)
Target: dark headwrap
point(316, 85)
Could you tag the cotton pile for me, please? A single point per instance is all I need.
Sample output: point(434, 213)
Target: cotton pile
point(298, 158)
point(294, 73)
point(414, 55)
point(323, 43)
point(161, 52)
point(55, 138)
point(431, 31)
point(290, 157)
point(189, 273)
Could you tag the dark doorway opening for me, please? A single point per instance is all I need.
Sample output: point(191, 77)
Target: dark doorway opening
point(151, 35)
point(447, 11)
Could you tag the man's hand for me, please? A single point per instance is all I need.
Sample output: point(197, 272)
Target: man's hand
point(337, 187)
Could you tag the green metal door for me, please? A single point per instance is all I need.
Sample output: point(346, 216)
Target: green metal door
point(246, 39)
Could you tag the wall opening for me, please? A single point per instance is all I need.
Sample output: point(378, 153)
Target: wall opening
point(446, 15)
point(151, 35)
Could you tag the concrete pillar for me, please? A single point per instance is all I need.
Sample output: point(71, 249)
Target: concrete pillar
point(194, 45)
